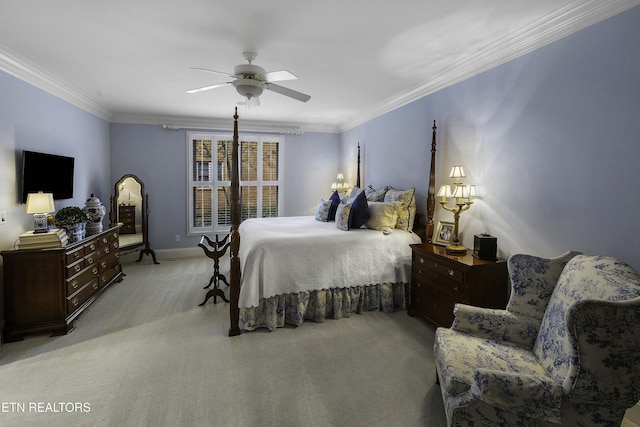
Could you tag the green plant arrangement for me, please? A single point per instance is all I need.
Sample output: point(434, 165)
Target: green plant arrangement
point(70, 216)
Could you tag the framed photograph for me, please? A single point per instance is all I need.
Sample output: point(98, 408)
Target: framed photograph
point(443, 233)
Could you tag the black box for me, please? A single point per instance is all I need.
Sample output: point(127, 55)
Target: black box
point(485, 247)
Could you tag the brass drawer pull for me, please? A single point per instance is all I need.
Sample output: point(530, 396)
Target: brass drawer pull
point(103, 264)
point(75, 302)
point(105, 240)
point(93, 246)
point(90, 260)
point(95, 286)
point(76, 255)
point(104, 279)
point(106, 250)
point(421, 260)
point(77, 267)
point(74, 284)
point(451, 272)
point(95, 270)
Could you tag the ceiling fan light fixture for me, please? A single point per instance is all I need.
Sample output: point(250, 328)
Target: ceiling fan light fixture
point(249, 88)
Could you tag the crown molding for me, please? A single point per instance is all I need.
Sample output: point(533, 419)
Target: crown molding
point(546, 30)
point(19, 67)
point(217, 123)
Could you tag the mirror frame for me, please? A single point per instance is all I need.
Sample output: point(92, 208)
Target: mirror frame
point(114, 219)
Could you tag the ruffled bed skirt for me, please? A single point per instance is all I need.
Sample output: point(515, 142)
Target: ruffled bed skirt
point(336, 303)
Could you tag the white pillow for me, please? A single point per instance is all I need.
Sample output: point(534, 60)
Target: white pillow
point(383, 215)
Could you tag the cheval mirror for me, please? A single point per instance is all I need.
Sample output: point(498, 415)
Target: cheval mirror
point(129, 209)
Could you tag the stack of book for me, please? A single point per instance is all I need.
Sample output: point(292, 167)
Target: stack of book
point(55, 238)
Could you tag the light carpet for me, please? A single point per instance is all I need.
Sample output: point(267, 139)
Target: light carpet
point(145, 354)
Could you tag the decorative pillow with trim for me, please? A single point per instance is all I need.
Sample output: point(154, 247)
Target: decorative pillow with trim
point(374, 195)
point(322, 212)
point(355, 191)
point(406, 208)
point(335, 201)
point(343, 214)
point(383, 215)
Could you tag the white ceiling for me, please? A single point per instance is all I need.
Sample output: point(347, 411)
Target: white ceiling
point(129, 60)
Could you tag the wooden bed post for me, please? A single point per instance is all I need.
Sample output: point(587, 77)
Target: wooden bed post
point(431, 195)
point(358, 173)
point(234, 291)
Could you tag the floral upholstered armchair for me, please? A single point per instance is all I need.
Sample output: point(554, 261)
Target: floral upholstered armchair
point(566, 351)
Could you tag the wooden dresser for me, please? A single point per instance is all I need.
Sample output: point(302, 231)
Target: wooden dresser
point(45, 290)
point(127, 216)
point(439, 280)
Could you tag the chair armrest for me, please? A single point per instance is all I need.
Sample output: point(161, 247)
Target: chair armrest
point(534, 396)
point(495, 324)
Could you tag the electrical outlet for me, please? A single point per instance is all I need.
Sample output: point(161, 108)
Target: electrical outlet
point(177, 237)
point(3, 217)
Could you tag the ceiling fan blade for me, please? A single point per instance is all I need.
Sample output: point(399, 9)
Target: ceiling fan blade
point(202, 89)
point(212, 71)
point(277, 76)
point(288, 92)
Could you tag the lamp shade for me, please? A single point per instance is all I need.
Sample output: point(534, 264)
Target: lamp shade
point(471, 189)
point(457, 172)
point(39, 203)
point(461, 192)
point(445, 191)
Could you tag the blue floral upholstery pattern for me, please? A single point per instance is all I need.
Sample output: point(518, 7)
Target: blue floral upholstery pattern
point(323, 209)
point(319, 305)
point(563, 352)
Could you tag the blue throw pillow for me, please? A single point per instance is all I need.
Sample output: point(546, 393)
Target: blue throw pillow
point(335, 201)
point(359, 211)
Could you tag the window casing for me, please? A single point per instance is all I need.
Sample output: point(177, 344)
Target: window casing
point(260, 164)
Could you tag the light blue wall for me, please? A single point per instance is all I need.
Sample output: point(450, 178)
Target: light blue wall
point(31, 119)
point(552, 139)
point(158, 157)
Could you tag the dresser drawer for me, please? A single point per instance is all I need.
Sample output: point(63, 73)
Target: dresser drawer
point(107, 275)
point(90, 247)
point(77, 281)
point(74, 255)
point(75, 268)
point(76, 300)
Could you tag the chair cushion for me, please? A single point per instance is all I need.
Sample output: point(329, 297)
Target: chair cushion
point(459, 355)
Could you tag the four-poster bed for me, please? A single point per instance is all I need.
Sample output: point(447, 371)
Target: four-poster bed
point(294, 268)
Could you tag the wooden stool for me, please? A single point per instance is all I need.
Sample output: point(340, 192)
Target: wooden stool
point(215, 250)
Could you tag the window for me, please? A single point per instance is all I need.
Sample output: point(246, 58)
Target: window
point(209, 166)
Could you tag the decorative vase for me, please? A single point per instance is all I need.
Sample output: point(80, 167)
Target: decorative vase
point(96, 212)
point(76, 232)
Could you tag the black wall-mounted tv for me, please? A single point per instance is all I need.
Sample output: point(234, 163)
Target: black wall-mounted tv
point(49, 173)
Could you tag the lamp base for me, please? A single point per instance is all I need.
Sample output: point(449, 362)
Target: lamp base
point(40, 224)
point(456, 247)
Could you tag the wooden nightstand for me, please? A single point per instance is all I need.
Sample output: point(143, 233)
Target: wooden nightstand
point(439, 280)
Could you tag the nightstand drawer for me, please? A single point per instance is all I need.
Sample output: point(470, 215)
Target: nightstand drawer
point(435, 304)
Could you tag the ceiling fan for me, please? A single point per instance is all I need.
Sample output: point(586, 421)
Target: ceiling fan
point(250, 80)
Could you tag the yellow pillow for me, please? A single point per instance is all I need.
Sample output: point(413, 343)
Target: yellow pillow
point(383, 215)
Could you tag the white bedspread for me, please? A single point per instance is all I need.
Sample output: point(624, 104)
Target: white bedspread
point(293, 254)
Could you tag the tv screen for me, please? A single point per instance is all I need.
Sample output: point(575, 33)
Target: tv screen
point(49, 173)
